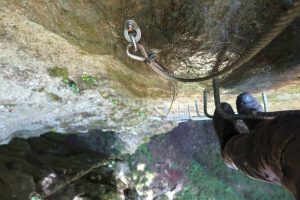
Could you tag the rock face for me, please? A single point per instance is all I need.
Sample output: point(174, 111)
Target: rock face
point(38, 166)
point(63, 66)
point(49, 84)
point(63, 69)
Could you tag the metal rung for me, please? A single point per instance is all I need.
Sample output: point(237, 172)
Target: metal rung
point(193, 112)
point(265, 100)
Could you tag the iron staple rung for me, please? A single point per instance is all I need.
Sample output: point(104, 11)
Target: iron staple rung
point(195, 114)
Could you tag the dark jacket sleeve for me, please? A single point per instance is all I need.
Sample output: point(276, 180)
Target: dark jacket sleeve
point(270, 152)
point(250, 153)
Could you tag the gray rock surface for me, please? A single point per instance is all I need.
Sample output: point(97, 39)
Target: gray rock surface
point(38, 166)
point(34, 100)
point(43, 44)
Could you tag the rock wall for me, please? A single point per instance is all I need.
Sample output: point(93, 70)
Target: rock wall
point(63, 66)
point(49, 84)
point(38, 166)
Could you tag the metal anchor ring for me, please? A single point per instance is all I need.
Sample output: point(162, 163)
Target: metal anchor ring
point(131, 26)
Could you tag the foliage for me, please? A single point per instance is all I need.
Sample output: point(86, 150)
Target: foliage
point(53, 130)
point(113, 101)
point(88, 80)
point(213, 180)
point(72, 85)
point(142, 114)
point(62, 72)
point(206, 187)
point(144, 149)
point(142, 175)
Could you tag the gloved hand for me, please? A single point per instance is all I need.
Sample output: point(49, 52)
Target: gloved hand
point(224, 128)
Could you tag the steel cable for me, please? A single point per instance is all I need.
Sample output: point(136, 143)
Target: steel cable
point(277, 28)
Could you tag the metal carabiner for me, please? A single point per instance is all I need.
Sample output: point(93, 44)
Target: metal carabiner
point(132, 33)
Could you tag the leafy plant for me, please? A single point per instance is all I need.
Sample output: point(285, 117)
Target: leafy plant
point(206, 187)
point(114, 101)
point(72, 85)
point(142, 114)
point(144, 149)
point(88, 80)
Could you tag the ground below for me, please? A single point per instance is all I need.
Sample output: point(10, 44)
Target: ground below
point(186, 164)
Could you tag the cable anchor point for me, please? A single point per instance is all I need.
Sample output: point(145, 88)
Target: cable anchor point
point(132, 33)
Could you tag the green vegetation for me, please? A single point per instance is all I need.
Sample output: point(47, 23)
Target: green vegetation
point(62, 72)
point(75, 89)
point(206, 187)
point(53, 130)
point(88, 80)
point(58, 72)
point(208, 177)
point(142, 114)
point(113, 101)
point(211, 179)
point(221, 183)
point(144, 149)
point(72, 85)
